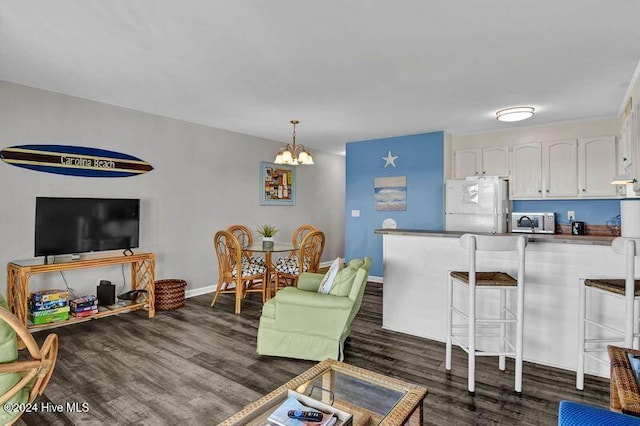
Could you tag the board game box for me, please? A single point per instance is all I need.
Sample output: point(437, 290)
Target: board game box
point(49, 295)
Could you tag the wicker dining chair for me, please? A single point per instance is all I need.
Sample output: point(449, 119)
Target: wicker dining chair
point(245, 238)
point(22, 381)
point(235, 276)
point(308, 260)
point(298, 235)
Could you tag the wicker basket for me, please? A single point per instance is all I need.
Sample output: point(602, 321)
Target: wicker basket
point(169, 294)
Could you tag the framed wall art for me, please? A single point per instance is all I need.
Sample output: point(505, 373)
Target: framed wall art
point(277, 184)
point(391, 193)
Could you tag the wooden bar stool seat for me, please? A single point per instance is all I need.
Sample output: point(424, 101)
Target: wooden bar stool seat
point(612, 285)
point(487, 278)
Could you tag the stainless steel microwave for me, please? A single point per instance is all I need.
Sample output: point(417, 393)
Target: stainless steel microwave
point(538, 223)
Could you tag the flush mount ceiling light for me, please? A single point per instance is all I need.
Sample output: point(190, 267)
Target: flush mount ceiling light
point(515, 114)
point(289, 154)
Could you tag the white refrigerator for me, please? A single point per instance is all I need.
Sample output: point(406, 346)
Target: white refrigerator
point(477, 205)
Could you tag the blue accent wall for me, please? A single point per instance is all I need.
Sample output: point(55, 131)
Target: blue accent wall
point(593, 212)
point(421, 160)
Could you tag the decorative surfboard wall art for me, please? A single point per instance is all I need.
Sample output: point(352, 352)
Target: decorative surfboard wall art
point(74, 160)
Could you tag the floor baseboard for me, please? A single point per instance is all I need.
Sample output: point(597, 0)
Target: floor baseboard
point(200, 290)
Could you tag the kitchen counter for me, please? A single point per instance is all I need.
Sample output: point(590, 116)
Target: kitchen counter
point(533, 238)
point(416, 268)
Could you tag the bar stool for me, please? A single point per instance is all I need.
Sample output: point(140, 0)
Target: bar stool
point(627, 290)
point(481, 327)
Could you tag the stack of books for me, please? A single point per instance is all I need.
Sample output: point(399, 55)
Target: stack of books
point(48, 306)
point(84, 306)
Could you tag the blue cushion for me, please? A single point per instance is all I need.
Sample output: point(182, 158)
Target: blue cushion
point(635, 366)
point(575, 414)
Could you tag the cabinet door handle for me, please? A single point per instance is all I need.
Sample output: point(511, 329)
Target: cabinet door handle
point(547, 190)
point(624, 158)
point(476, 173)
point(584, 190)
point(484, 172)
point(539, 191)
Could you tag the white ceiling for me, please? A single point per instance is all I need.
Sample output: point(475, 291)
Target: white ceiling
point(348, 70)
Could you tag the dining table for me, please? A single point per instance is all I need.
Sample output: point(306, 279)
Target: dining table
point(268, 250)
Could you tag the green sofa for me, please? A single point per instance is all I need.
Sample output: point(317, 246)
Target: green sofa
point(301, 323)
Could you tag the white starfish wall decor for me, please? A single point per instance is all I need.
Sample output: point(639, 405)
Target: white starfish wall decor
point(390, 159)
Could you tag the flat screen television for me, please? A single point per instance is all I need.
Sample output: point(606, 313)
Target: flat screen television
point(80, 225)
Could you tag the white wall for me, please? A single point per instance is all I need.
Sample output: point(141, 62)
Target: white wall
point(574, 129)
point(204, 179)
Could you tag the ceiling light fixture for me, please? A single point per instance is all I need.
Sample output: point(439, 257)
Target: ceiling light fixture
point(515, 114)
point(289, 154)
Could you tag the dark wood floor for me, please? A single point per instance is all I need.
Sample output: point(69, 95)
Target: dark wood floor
point(198, 365)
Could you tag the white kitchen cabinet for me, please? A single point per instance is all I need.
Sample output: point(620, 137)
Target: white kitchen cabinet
point(625, 153)
point(597, 166)
point(560, 168)
point(526, 175)
point(634, 146)
point(467, 162)
point(495, 161)
point(489, 161)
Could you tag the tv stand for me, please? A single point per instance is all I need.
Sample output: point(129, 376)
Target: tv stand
point(142, 277)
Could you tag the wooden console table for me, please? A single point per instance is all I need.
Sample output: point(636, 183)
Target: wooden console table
point(142, 277)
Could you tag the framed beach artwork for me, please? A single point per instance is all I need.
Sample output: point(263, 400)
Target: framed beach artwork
point(391, 193)
point(277, 184)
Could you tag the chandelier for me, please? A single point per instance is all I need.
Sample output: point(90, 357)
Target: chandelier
point(294, 154)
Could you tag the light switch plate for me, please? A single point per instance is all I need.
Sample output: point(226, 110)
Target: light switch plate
point(355, 213)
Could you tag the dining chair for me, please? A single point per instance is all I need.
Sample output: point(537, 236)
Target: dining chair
point(298, 235)
point(234, 275)
point(308, 260)
point(245, 238)
point(22, 381)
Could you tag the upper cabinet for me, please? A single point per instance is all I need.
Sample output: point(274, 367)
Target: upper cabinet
point(467, 162)
point(526, 178)
point(545, 170)
point(597, 166)
point(495, 161)
point(491, 161)
point(567, 168)
point(560, 168)
point(625, 147)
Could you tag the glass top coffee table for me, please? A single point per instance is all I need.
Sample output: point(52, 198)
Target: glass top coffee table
point(371, 398)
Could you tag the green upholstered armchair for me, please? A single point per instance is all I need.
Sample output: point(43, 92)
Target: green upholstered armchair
point(301, 323)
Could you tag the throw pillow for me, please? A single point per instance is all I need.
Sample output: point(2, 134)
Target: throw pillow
point(344, 281)
point(329, 277)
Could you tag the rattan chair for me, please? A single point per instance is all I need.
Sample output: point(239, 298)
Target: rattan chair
point(308, 260)
point(475, 327)
point(625, 394)
point(245, 238)
point(626, 290)
point(298, 235)
point(28, 378)
point(235, 276)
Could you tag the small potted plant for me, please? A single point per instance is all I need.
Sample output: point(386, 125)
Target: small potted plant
point(267, 232)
